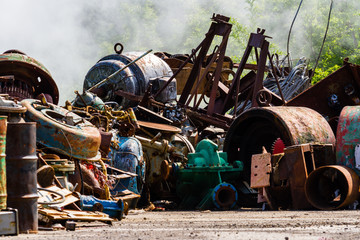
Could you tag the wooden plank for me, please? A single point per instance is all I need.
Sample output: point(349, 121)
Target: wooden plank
point(56, 215)
point(260, 170)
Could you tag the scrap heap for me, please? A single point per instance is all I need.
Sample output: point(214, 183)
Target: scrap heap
point(152, 127)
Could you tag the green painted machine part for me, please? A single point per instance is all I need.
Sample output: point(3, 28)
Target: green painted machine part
point(205, 181)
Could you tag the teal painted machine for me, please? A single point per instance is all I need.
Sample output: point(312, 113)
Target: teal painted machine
point(205, 181)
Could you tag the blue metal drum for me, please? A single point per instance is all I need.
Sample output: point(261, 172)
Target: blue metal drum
point(127, 155)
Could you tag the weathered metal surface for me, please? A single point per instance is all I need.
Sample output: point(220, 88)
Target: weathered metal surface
point(290, 171)
point(170, 147)
point(127, 155)
point(62, 130)
point(114, 209)
point(206, 179)
point(260, 127)
point(11, 109)
point(342, 85)
point(348, 136)
point(9, 222)
point(21, 165)
point(332, 187)
point(260, 170)
point(3, 192)
point(31, 78)
point(134, 79)
point(300, 163)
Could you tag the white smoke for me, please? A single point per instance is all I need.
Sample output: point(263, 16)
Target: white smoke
point(69, 37)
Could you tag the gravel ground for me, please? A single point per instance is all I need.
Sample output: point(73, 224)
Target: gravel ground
point(240, 224)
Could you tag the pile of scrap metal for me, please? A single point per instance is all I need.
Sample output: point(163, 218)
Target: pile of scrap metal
point(201, 80)
point(261, 113)
point(128, 138)
point(53, 154)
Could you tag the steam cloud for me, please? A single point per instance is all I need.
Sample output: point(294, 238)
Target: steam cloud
point(69, 37)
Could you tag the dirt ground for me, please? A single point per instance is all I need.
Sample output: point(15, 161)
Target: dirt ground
point(239, 224)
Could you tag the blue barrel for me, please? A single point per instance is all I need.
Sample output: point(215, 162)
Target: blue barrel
point(127, 155)
point(134, 80)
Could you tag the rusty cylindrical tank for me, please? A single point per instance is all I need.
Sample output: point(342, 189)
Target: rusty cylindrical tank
point(134, 80)
point(3, 192)
point(260, 127)
point(348, 137)
point(332, 187)
point(21, 165)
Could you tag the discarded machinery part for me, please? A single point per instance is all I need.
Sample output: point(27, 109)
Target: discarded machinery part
point(9, 106)
point(21, 164)
point(133, 118)
point(31, 78)
point(118, 51)
point(347, 137)
point(259, 127)
point(316, 97)
point(159, 127)
point(165, 169)
point(12, 110)
point(204, 181)
point(263, 98)
point(62, 130)
point(88, 99)
point(118, 71)
point(224, 196)
point(114, 209)
point(127, 155)
point(332, 187)
point(174, 148)
point(134, 79)
point(105, 141)
point(278, 146)
point(45, 175)
point(3, 192)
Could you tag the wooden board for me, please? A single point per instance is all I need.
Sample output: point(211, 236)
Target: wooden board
point(50, 216)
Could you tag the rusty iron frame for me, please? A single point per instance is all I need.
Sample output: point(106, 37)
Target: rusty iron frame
point(251, 86)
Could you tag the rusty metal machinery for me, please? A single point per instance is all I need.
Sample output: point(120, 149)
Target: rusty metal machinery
point(163, 146)
point(132, 82)
point(62, 131)
point(223, 95)
point(260, 127)
point(330, 95)
point(204, 182)
point(332, 187)
point(24, 77)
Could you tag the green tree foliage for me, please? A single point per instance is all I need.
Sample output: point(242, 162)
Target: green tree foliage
point(179, 26)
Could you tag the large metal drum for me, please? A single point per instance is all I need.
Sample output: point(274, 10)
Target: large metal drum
point(260, 127)
point(134, 79)
point(332, 187)
point(347, 137)
point(21, 166)
point(3, 191)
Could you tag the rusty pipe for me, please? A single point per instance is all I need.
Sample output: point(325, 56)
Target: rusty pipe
point(332, 187)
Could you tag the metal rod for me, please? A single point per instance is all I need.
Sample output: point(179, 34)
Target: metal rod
point(118, 71)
